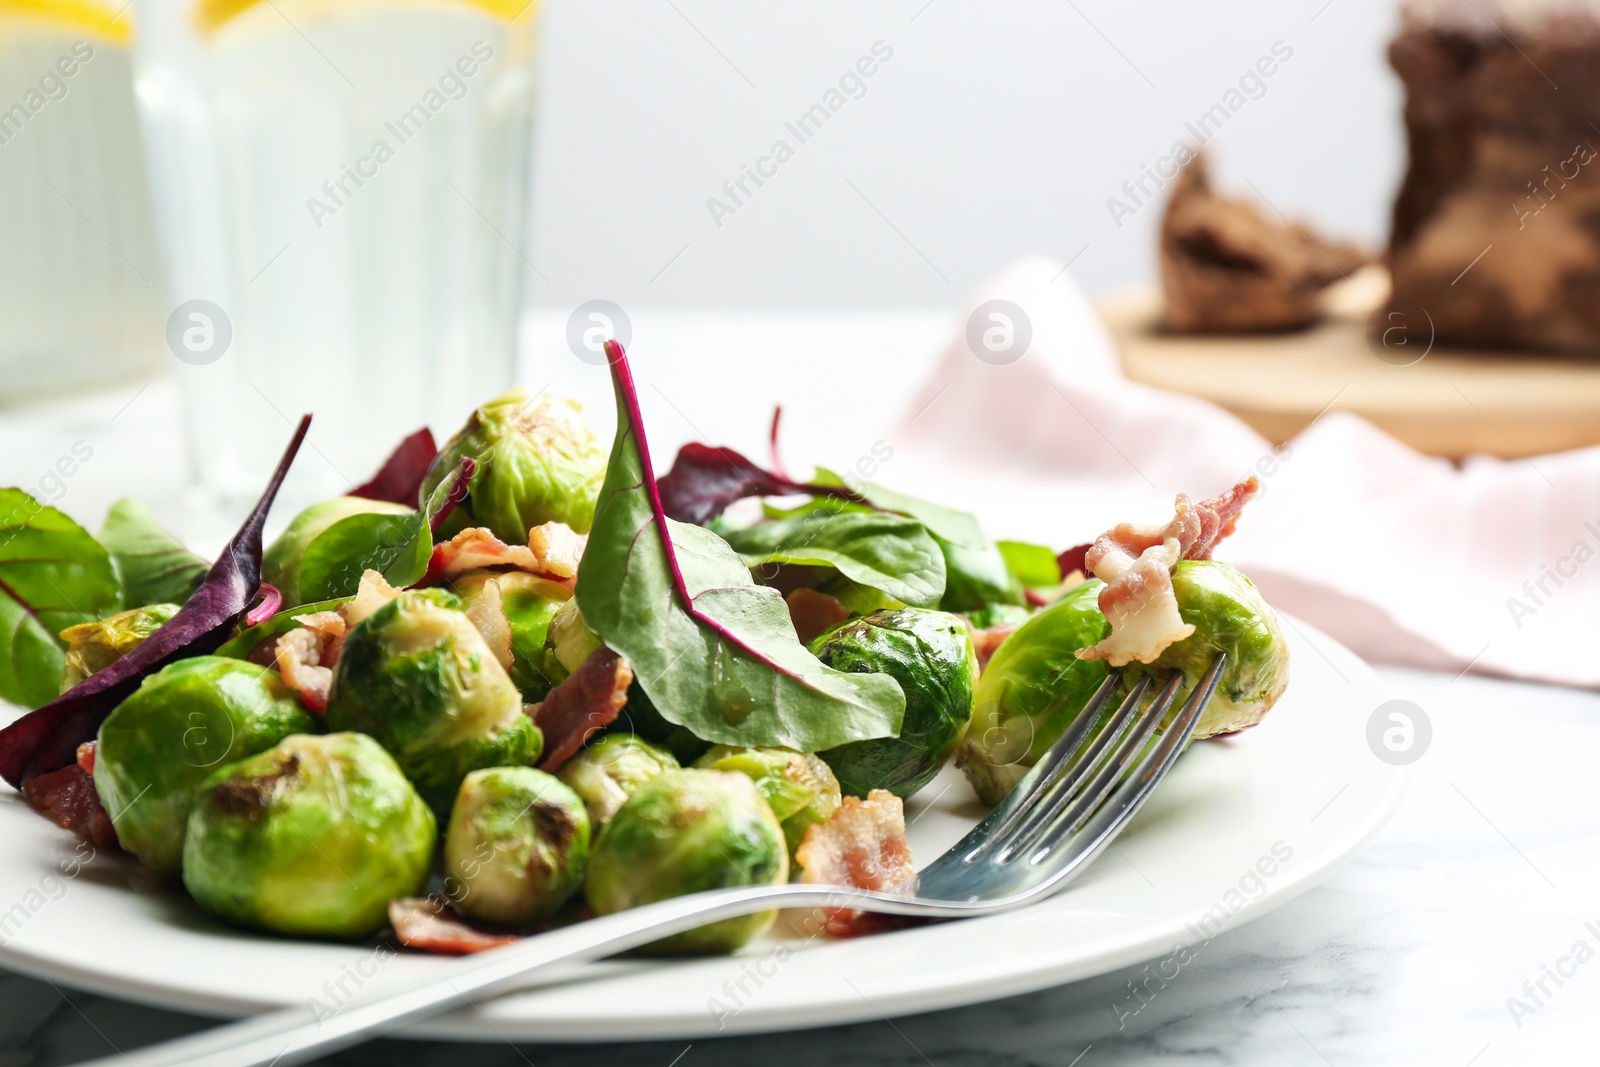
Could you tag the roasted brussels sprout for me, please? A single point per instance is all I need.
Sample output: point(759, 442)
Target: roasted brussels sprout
point(799, 787)
point(976, 577)
point(93, 646)
point(1228, 615)
point(536, 460)
point(607, 772)
point(182, 723)
point(569, 640)
point(930, 654)
point(683, 832)
point(1031, 690)
point(517, 845)
point(280, 564)
point(313, 837)
point(529, 603)
point(418, 676)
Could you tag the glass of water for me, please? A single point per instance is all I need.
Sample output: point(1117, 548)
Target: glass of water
point(341, 189)
point(77, 263)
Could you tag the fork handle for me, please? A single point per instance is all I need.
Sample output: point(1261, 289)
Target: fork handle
point(295, 1034)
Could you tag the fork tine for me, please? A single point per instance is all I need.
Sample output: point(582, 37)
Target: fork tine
point(1077, 794)
point(1089, 840)
point(1039, 777)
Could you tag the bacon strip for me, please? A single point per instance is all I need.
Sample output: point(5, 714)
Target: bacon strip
point(591, 697)
point(68, 797)
point(1136, 561)
point(987, 641)
point(553, 551)
point(432, 925)
point(373, 593)
point(862, 845)
point(813, 613)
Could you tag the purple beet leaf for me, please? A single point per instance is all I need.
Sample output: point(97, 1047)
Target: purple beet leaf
point(399, 480)
point(47, 739)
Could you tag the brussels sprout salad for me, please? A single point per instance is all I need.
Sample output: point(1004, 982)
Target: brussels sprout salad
point(519, 681)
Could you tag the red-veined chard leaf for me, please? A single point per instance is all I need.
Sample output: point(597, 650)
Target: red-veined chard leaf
point(399, 480)
point(52, 575)
point(155, 566)
point(716, 653)
point(48, 738)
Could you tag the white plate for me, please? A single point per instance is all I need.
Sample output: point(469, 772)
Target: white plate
point(1294, 798)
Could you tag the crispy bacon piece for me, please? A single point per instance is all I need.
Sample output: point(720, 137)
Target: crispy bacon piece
point(298, 657)
point(373, 593)
point(987, 640)
point(590, 698)
point(432, 925)
point(86, 753)
point(305, 656)
point(813, 613)
point(488, 614)
point(862, 845)
point(557, 550)
point(553, 551)
point(68, 797)
point(1135, 561)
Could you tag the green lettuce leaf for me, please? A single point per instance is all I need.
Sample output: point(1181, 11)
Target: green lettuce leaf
point(715, 653)
point(960, 528)
point(396, 546)
point(154, 566)
point(1032, 565)
point(887, 552)
point(52, 575)
point(975, 571)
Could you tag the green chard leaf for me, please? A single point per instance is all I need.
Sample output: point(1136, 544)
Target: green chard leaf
point(975, 570)
point(52, 575)
point(716, 653)
point(397, 546)
point(883, 551)
point(154, 566)
point(959, 528)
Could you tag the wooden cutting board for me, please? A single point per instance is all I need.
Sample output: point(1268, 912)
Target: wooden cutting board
point(1437, 400)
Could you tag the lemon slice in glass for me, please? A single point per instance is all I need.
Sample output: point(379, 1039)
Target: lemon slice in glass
point(211, 15)
point(80, 16)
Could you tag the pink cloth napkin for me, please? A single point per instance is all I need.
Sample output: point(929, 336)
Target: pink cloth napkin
point(1489, 566)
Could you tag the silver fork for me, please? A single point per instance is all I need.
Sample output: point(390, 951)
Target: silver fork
point(1047, 830)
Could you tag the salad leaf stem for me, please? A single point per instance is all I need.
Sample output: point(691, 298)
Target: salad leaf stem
point(450, 493)
point(271, 603)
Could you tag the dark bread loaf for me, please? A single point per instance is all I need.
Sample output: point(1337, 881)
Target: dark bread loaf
point(1496, 234)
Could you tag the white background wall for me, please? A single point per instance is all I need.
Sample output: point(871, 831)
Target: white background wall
point(996, 129)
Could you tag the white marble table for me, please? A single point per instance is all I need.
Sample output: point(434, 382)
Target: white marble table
point(1477, 892)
